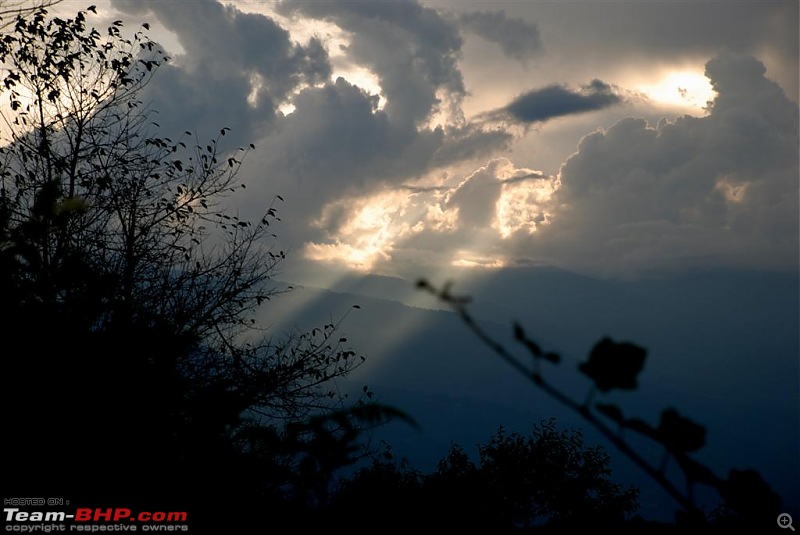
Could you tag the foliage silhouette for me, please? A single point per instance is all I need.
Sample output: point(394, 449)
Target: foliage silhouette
point(129, 293)
point(747, 500)
point(548, 480)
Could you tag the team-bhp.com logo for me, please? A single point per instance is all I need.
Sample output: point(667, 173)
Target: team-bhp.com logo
point(90, 519)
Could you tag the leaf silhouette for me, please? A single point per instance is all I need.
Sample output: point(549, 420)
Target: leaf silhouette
point(746, 492)
point(614, 365)
point(680, 434)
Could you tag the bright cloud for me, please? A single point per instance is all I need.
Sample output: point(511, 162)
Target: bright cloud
point(495, 201)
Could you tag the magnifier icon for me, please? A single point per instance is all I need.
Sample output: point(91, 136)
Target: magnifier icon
point(785, 521)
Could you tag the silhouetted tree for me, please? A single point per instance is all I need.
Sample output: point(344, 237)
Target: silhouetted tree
point(128, 293)
point(548, 480)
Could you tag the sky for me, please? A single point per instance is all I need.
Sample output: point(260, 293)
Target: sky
point(619, 139)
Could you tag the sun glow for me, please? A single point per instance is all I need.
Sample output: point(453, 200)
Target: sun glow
point(523, 205)
point(473, 262)
point(684, 89)
point(367, 233)
point(364, 233)
point(732, 190)
point(363, 78)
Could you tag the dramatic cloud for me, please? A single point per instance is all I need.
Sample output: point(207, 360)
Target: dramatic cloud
point(458, 223)
point(319, 140)
point(518, 38)
point(381, 169)
point(412, 49)
point(337, 144)
point(489, 196)
point(718, 190)
point(476, 197)
point(540, 105)
point(236, 70)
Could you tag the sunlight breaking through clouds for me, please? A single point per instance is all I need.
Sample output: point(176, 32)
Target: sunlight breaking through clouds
point(365, 230)
point(682, 88)
point(479, 262)
point(494, 202)
point(367, 117)
point(521, 207)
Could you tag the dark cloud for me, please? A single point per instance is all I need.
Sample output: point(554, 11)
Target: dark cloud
point(470, 142)
point(337, 139)
point(412, 49)
point(476, 197)
point(518, 38)
point(237, 68)
point(540, 105)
